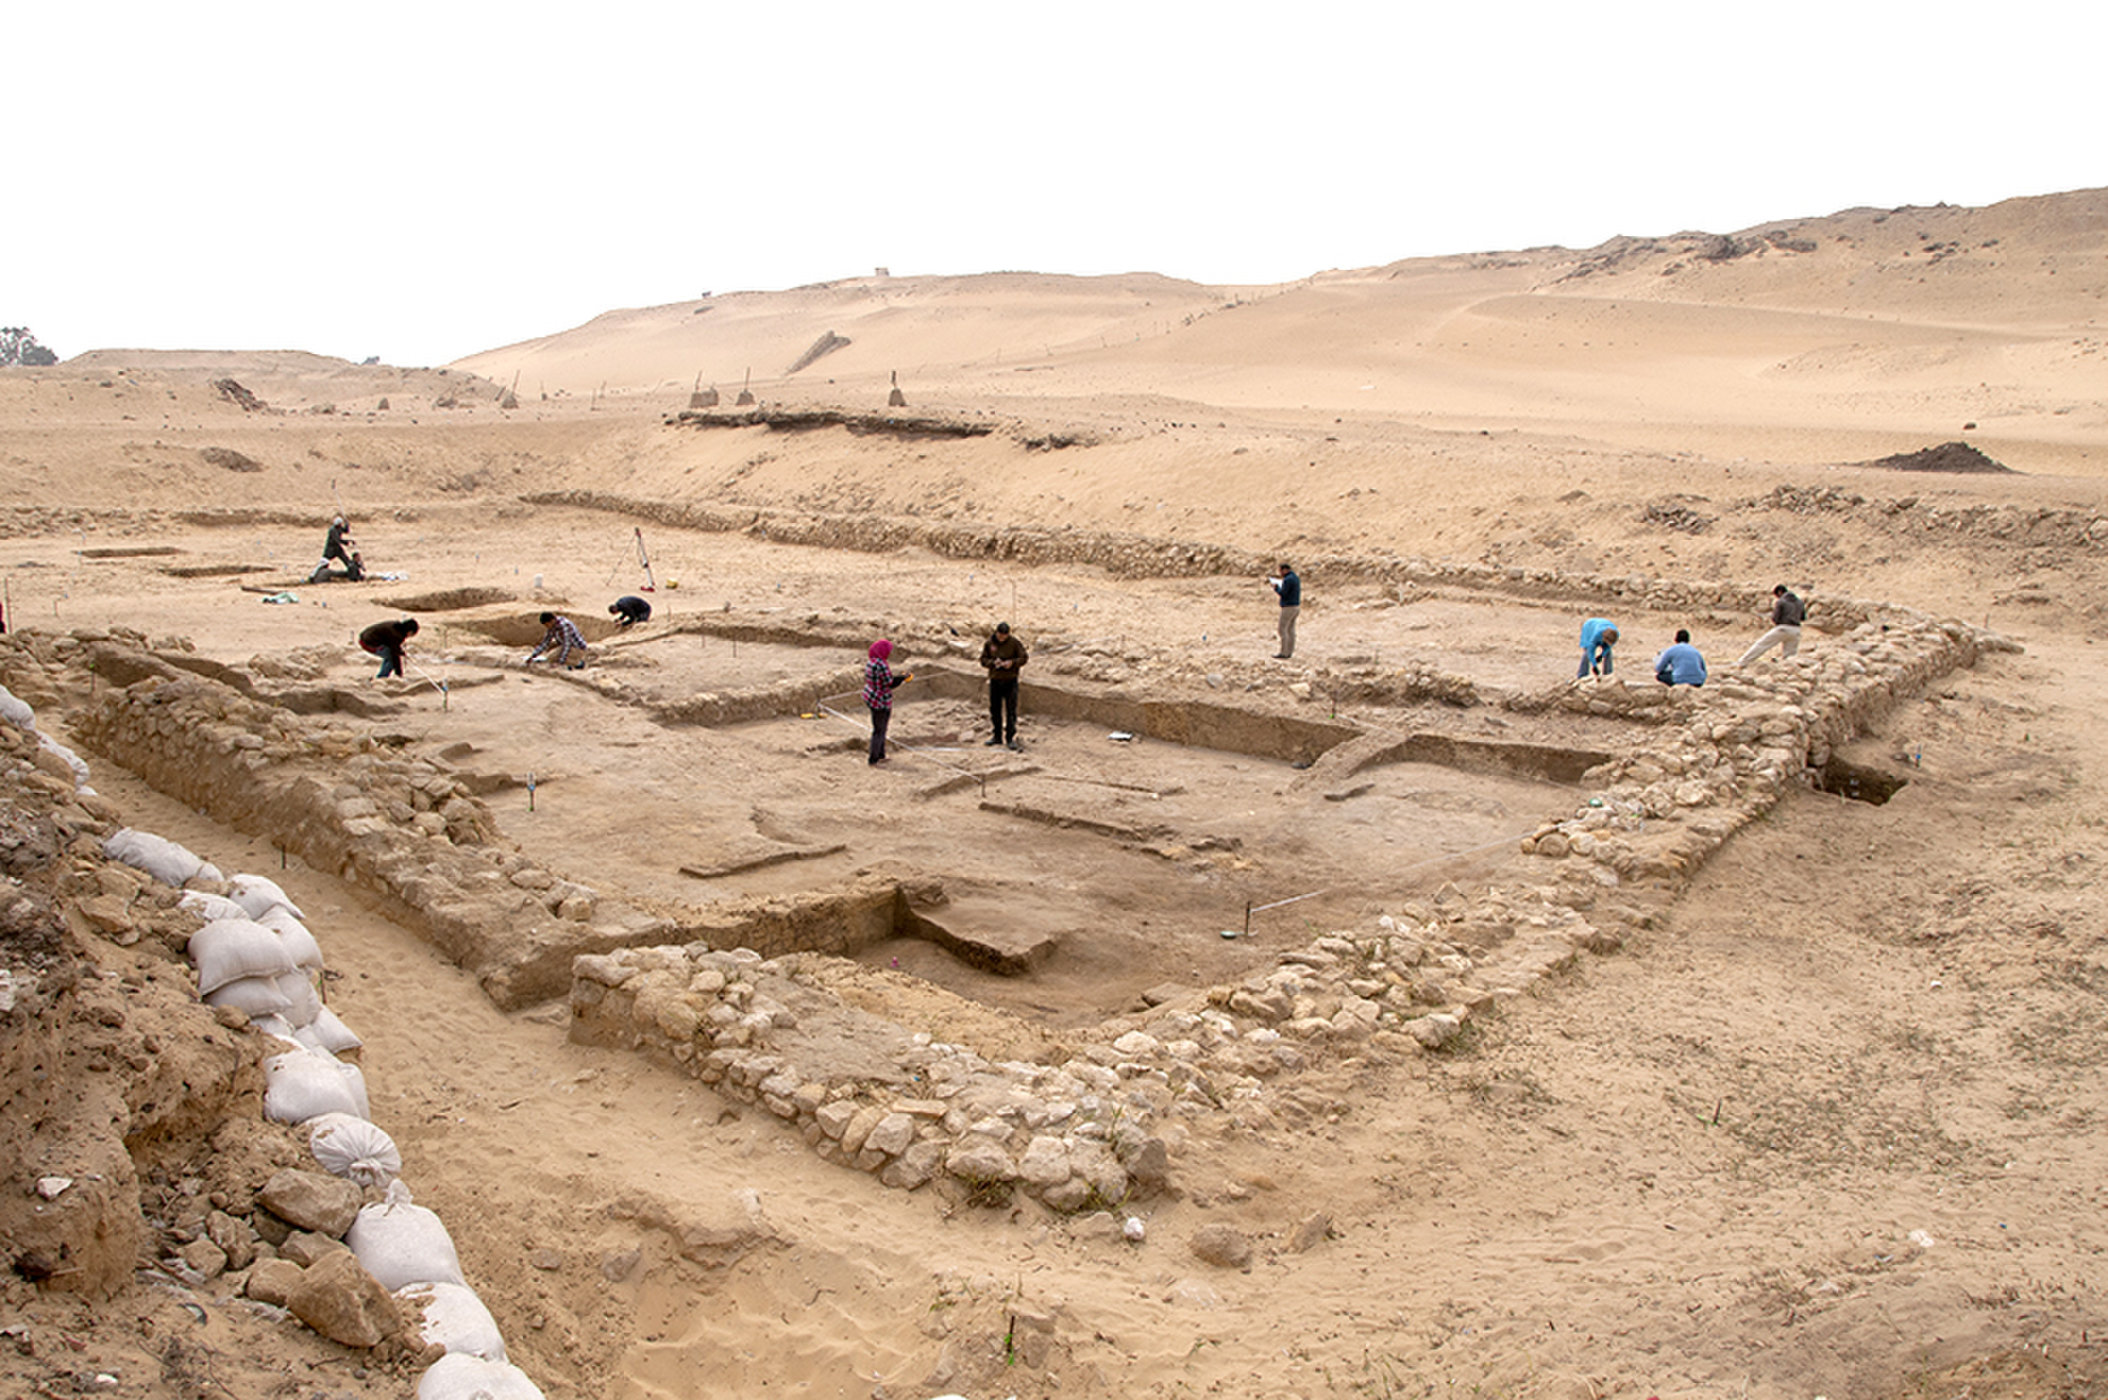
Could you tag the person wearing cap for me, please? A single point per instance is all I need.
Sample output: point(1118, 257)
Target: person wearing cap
point(1289, 585)
point(630, 609)
point(1002, 656)
point(1788, 612)
point(563, 634)
point(385, 640)
point(1598, 636)
point(338, 544)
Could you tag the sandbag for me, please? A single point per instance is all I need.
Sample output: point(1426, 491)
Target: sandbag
point(400, 1243)
point(15, 710)
point(252, 996)
point(158, 856)
point(227, 950)
point(326, 1032)
point(459, 1376)
point(304, 1084)
point(354, 1149)
point(72, 759)
point(299, 942)
point(303, 1005)
point(256, 894)
point(211, 906)
point(454, 1317)
point(275, 1024)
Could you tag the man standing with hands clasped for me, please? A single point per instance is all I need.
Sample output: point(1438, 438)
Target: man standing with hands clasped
point(1003, 656)
point(1290, 587)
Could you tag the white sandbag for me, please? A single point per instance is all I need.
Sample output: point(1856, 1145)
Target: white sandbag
point(227, 950)
point(256, 894)
point(211, 906)
point(299, 942)
point(208, 874)
point(15, 710)
point(326, 1032)
point(304, 1084)
point(459, 1376)
point(73, 760)
point(303, 1005)
point(401, 1244)
point(158, 856)
point(276, 1025)
point(455, 1318)
point(354, 1149)
point(252, 996)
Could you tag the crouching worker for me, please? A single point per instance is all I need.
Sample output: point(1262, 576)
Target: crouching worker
point(563, 634)
point(385, 640)
point(1598, 636)
point(630, 609)
point(1680, 663)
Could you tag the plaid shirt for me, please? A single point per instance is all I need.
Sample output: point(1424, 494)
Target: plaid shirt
point(561, 632)
point(878, 684)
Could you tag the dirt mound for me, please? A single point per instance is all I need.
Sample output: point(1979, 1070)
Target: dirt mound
point(1947, 457)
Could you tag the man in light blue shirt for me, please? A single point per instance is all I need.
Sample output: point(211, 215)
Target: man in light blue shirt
point(1680, 664)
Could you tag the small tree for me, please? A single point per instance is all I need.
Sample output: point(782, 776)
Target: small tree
point(19, 347)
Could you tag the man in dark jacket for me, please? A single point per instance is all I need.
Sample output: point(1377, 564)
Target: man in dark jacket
point(1289, 585)
point(1788, 612)
point(1003, 656)
point(385, 640)
point(630, 609)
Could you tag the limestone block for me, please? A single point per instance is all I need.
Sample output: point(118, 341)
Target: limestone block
point(343, 1302)
point(312, 1200)
point(891, 1134)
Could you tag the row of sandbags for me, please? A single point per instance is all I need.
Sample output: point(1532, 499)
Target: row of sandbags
point(18, 712)
point(255, 953)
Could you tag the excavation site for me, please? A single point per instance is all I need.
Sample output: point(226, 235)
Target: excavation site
point(1448, 1004)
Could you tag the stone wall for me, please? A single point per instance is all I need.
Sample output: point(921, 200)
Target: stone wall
point(406, 829)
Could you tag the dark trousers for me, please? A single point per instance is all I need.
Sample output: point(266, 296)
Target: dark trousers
point(879, 720)
point(1002, 707)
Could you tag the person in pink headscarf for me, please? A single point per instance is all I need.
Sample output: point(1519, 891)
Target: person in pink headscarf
point(879, 685)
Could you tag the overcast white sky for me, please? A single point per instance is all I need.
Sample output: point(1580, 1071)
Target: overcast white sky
point(420, 180)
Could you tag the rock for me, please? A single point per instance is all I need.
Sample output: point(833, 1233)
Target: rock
point(312, 1201)
point(1146, 1159)
point(304, 1247)
point(234, 1238)
point(1311, 1230)
point(1433, 1031)
point(343, 1302)
point(205, 1256)
point(1046, 1162)
point(891, 1135)
point(1224, 1246)
point(547, 1260)
point(980, 1159)
point(617, 1267)
point(273, 1281)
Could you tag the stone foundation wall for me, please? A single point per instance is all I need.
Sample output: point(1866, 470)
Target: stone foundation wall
point(407, 830)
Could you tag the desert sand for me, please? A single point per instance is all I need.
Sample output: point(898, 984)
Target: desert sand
point(1821, 1119)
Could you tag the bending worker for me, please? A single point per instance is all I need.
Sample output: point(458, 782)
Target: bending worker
point(629, 608)
point(1598, 636)
point(561, 633)
point(385, 640)
point(1788, 612)
point(1002, 656)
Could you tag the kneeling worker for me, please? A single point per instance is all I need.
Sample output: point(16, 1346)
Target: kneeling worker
point(1002, 656)
point(630, 609)
point(562, 633)
point(385, 640)
point(1680, 663)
